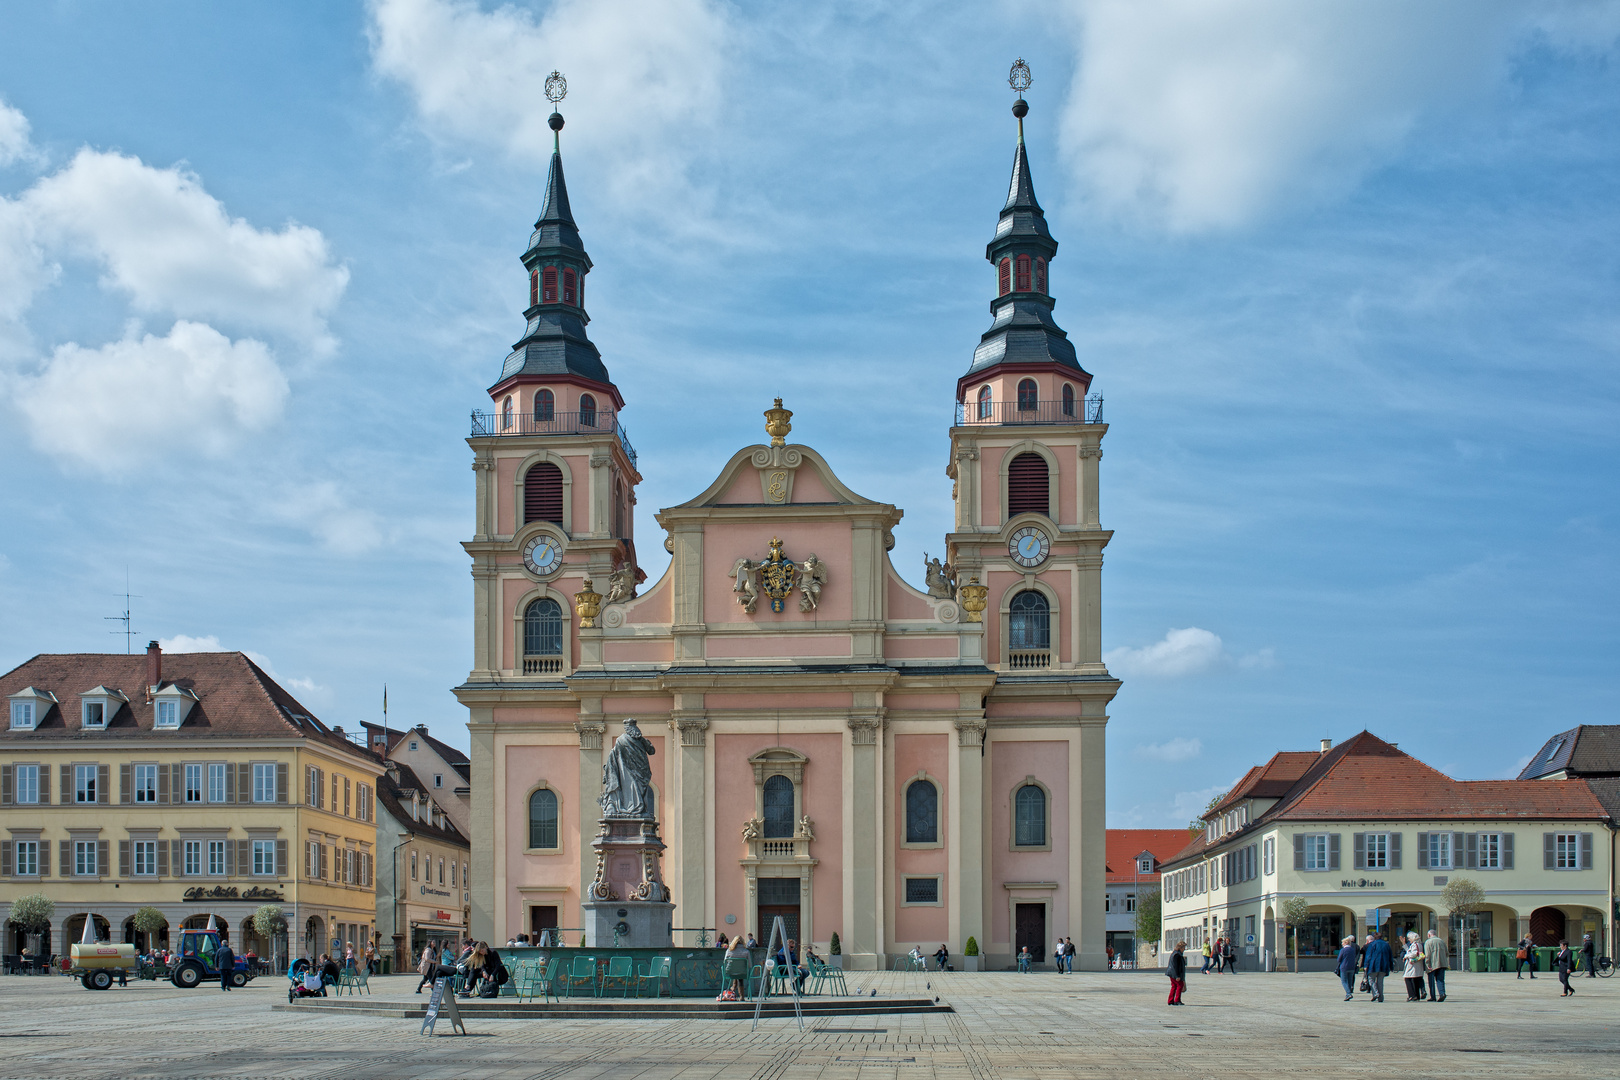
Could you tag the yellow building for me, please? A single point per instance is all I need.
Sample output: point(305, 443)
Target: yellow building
point(192, 783)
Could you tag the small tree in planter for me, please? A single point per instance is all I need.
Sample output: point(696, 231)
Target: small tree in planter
point(1295, 910)
point(33, 913)
point(149, 920)
point(970, 955)
point(835, 952)
point(1462, 897)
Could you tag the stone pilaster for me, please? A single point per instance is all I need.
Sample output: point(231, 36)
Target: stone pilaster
point(590, 789)
point(688, 820)
point(966, 862)
point(863, 857)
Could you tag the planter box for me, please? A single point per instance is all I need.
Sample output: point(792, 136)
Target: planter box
point(970, 963)
point(836, 960)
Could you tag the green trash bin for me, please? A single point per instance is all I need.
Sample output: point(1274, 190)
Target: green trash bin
point(1478, 959)
point(1544, 957)
point(388, 965)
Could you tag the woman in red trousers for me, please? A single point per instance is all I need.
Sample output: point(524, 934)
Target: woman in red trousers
point(1176, 968)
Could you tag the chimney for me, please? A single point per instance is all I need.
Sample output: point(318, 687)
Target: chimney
point(1327, 744)
point(154, 664)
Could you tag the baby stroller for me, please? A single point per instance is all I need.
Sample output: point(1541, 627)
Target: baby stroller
point(305, 981)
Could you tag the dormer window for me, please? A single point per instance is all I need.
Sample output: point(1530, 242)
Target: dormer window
point(170, 707)
point(98, 706)
point(95, 714)
point(1144, 865)
point(28, 708)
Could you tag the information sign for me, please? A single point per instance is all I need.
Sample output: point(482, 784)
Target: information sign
point(443, 997)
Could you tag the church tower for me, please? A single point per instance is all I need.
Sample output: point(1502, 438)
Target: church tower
point(1025, 450)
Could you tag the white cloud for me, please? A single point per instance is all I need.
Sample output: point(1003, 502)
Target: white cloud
point(644, 77)
point(186, 643)
point(1207, 114)
point(1191, 804)
point(14, 142)
point(174, 249)
point(1173, 750)
point(1191, 651)
point(134, 400)
point(325, 511)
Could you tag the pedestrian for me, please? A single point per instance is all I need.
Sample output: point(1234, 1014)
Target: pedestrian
point(1229, 957)
point(226, 960)
point(1525, 955)
point(1068, 954)
point(1412, 970)
point(1436, 958)
point(1176, 968)
point(752, 944)
point(1109, 950)
point(1207, 956)
point(371, 958)
point(1589, 957)
point(1375, 965)
point(348, 957)
point(429, 967)
point(1347, 967)
point(1564, 960)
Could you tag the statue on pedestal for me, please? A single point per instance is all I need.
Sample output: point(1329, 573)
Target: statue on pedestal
point(627, 775)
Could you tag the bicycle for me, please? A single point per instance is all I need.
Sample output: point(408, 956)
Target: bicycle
point(1605, 967)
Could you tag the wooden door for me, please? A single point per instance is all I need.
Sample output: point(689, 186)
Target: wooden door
point(1031, 929)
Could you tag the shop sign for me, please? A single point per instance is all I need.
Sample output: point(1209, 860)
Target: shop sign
point(426, 891)
point(1361, 883)
point(444, 915)
point(230, 892)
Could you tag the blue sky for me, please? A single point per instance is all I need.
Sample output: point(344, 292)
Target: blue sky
point(1345, 273)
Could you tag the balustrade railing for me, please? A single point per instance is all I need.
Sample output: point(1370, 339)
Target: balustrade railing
point(581, 422)
point(1029, 658)
point(542, 665)
point(1088, 411)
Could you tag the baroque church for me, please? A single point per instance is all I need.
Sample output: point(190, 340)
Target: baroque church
point(897, 766)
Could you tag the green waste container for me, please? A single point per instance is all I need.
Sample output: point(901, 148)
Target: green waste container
point(1544, 957)
point(388, 965)
point(1478, 959)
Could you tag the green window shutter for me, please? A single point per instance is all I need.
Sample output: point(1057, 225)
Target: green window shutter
point(123, 858)
point(126, 783)
point(5, 858)
point(163, 783)
point(1394, 851)
point(1471, 859)
point(5, 785)
point(281, 858)
point(44, 850)
point(1507, 851)
point(1586, 851)
point(230, 782)
point(1333, 851)
point(44, 783)
point(177, 783)
point(1549, 850)
point(1459, 841)
point(103, 858)
point(103, 779)
point(1423, 851)
point(178, 859)
point(65, 849)
point(244, 857)
point(163, 857)
point(1299, 851)
point(244, 782)
point(1360, 840)
point(281, 783)
point(65, 793)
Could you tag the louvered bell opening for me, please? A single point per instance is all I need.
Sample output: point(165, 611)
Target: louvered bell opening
point(1027, 490)
point(542, 494)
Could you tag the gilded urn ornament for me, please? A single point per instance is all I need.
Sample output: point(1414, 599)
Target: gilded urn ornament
point(587, 605)
point(972, 596)
point(777, 423)
point(777, 576)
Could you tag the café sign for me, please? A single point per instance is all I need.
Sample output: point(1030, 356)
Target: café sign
point(230, 892)
point(1360, 883)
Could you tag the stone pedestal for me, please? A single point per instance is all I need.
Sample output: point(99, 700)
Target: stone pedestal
point(628, 893)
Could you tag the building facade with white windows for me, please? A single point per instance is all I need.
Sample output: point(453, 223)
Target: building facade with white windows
point(1370, 836)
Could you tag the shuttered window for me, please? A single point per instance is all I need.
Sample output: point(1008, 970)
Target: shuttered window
point(568, 286)
point(1023, 273)
point(548, 287)
point(1004, 277)
point(1027, 489)
point(543, 494)
point(1040, 275)
point(534, 287)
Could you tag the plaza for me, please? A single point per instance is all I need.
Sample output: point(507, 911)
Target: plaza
point(1004, 1026)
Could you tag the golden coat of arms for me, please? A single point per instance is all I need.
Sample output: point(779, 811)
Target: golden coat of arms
point(777, 576)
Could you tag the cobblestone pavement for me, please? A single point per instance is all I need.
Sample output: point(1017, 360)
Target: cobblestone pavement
point(1006, 1027)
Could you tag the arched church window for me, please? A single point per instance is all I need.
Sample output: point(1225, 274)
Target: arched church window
point(543, 819)
point(985, 405)
point(542, 628)
point(1040, 275)
point(1068, 399)
point(545, 406)
point(1029, 622)
point(922, 813)
point(1004, 277)
point(506, 414)
point(1029, 810)
point(543, 494)
point(587, 411)
point(778, 807)
point(1023, 274)
point(534, 287)
point(568, 285)
point(1029, 395)
point(548, 285)
point(1027, 489)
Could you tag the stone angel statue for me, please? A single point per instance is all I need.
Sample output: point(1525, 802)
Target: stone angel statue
point(621, 585)
point(747, 587)
point(807, 828)
point(814, 577)
point(753, 829)
point(941, 578)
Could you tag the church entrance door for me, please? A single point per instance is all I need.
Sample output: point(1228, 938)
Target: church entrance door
point(1031, 922)
point(779, 897)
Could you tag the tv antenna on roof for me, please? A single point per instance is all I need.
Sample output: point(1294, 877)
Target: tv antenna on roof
point(129, 630)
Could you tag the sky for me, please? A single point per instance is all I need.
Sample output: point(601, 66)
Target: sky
point(1345, 274)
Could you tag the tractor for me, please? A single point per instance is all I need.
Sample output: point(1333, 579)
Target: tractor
point(194, 963)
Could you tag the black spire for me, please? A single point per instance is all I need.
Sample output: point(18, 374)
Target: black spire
point(1021, 251)
point(555, 342)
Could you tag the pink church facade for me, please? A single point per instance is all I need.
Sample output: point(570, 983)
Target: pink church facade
point(899, 766)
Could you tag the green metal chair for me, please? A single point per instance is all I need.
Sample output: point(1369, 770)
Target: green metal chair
point(621, 971)
point(551, 981)
point(525, 979)
point(657, 974)
point(833, 978)
point(582, 973)
point(731, 971)
point(760, 979)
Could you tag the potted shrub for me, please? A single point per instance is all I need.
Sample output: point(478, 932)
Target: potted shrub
point(970, 955)
point(835, 952)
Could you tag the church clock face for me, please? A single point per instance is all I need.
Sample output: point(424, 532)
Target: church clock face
point(1029, 546)
point(541, 555)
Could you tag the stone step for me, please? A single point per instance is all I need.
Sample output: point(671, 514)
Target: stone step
point(621, 1008)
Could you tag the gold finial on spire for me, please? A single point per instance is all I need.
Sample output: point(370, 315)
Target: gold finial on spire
point(777, 423)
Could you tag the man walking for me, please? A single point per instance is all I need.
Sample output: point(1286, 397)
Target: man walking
point(1589, 957)
point(1437, 957)
point(1378, 960)
point(226, 960)
point(1347, 967)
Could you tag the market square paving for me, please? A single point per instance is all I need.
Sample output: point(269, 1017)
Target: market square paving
point(1004, 1026)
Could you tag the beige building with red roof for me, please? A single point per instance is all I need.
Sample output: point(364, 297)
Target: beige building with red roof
point(1369, 834)
point(192, 783)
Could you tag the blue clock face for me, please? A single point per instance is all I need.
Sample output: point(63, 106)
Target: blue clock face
point(541, 555)
point(1029, 546)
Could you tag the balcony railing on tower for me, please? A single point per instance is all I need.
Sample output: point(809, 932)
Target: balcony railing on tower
point(1089, 411)
point(584, 422)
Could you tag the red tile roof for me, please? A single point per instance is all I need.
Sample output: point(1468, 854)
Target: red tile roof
point(236, 700)
point(1368, 779)
point(1124, 845)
